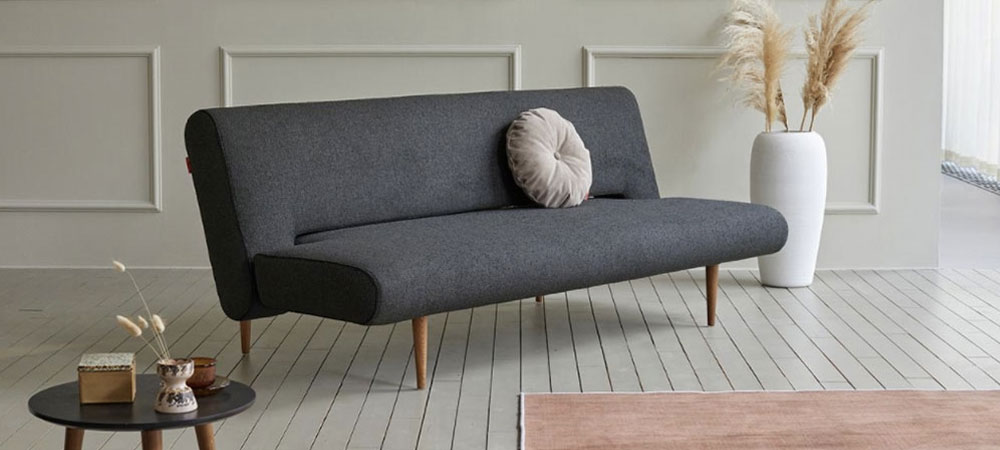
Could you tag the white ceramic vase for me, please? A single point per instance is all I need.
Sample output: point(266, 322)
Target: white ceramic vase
point(174, 395)
point(788, 173)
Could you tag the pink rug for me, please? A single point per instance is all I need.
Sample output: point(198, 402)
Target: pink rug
point(763, 420)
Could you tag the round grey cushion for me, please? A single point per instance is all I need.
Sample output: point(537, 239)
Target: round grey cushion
point(548, 159)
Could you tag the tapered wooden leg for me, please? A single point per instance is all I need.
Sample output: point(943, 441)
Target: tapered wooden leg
point(206, 437)
point(74, 439)
point(712, 290)
point(539, 299)
point(245, 336)
point(420, 350)
point(152, 440)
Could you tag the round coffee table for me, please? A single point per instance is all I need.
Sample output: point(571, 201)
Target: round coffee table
point(61, 405)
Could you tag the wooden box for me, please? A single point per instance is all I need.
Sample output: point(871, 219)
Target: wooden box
point(107, 378)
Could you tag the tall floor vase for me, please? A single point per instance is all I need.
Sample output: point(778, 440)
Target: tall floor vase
point(788, 173)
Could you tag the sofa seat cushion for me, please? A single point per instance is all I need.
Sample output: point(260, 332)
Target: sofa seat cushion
point(393, 271)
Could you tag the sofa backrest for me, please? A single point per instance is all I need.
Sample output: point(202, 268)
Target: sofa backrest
point(266, 174)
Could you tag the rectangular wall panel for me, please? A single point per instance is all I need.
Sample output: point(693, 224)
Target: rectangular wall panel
point(700, 137)
point(79, 129)
point(295, 74)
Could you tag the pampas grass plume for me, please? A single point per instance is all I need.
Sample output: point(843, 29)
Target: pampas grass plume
point(756, 52)
point(831, 39)
point(776, 42)
point(118, 266)
point(142, 322)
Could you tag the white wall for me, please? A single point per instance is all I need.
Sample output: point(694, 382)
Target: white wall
point(92, 114)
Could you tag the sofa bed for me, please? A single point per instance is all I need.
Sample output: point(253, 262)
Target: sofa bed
point(377, 211)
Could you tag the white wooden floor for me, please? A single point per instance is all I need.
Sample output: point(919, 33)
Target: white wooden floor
point(328, 385)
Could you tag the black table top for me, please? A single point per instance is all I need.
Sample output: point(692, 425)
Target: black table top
point(61, 405)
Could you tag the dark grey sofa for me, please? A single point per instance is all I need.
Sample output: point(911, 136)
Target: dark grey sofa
point(383, 210)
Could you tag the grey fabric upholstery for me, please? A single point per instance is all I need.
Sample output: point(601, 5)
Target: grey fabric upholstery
point(394, 271)
point(266, 174)
point(290, 195)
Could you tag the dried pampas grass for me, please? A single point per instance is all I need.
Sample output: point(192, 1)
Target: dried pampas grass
point(757, 50)
point(831, 39)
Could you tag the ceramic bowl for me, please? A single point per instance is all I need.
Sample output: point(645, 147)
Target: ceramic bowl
point(204, 372)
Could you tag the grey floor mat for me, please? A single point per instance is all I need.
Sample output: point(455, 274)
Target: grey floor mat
point(971, 176)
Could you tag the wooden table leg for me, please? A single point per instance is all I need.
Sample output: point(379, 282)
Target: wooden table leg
point(152, 440)
point(74, 439)
point(206, 436)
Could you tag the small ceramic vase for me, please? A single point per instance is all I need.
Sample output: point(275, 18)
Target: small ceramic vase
point(174, 395)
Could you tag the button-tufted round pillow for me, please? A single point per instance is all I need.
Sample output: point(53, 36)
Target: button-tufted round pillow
point(548, 159)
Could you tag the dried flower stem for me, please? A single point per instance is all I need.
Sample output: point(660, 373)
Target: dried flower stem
point(159, 356)
point(157, 334)
point(135, 330)
point(831, 39)
point(757, 50)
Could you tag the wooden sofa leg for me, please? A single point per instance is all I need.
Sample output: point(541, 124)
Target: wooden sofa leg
point(539, 298)
point(420, 350)
point(245, 336)
point(712, 289)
